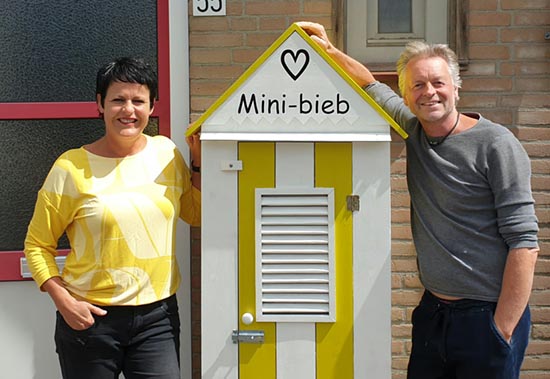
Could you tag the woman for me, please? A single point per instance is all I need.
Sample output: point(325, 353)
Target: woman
point(118, 200)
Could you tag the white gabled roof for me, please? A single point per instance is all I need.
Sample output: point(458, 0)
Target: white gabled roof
point(295, 92)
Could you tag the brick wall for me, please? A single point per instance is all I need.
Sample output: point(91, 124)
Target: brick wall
point(507, 80)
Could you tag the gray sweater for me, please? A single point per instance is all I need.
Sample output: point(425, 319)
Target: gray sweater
point(471, 202)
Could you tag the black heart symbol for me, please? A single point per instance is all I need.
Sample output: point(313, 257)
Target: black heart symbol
point(296, 70)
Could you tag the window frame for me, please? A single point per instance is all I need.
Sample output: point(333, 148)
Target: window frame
point(374, 38)
point(457, 11)
point(10, 261)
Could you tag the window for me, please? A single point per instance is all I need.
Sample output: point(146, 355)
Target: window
point(393, 22)
point(295, 255)
point(377, 30)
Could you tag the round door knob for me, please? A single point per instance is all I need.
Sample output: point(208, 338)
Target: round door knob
point(247, 318)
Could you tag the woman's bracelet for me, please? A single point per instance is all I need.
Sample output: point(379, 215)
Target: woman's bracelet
point(195, 168)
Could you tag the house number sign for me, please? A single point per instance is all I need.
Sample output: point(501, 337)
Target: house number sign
point(208, 7)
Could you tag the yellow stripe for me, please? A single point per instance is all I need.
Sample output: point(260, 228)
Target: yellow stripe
point(258, 158)
point(333, 168)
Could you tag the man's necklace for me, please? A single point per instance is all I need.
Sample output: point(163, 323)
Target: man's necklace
point(439, 140)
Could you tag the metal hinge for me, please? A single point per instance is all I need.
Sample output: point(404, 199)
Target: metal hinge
point(352, 203)
point(248, 336)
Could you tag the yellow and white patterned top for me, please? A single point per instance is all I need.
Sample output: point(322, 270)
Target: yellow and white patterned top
point(120, 217)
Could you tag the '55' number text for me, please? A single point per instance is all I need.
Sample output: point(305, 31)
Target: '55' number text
point(208, 7)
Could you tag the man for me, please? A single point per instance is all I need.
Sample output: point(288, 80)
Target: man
point(472, 216)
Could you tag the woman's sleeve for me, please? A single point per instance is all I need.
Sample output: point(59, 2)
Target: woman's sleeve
point(52, 214)
point(44, 231)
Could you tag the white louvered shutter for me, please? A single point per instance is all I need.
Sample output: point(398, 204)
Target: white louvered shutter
point(295, 255)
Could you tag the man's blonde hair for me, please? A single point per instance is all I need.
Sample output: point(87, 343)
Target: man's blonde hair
point(420, 49)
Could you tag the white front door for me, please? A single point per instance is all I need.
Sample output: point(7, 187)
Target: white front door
point(357, 342)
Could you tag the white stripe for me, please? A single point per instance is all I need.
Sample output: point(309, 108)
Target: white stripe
point(296, 350)
point(295, 341)
point(371, 261)
point(219, 262)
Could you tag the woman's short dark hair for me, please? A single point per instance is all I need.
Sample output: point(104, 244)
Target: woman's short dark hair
point(127, 70)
